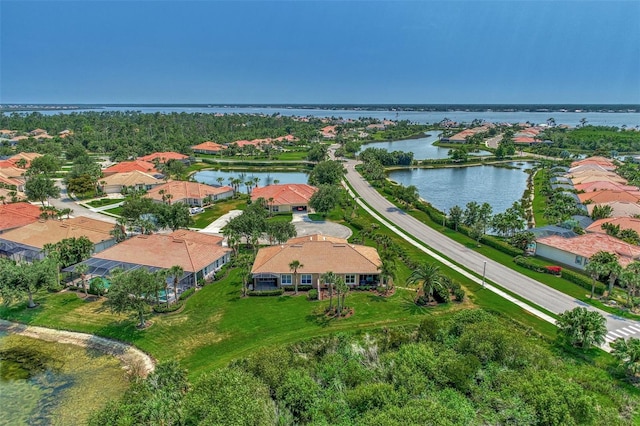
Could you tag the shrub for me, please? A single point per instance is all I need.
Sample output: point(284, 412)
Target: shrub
point(459, 294)
point(300, 287)
point(164, 309)
point(187, 293)
point(500, 245)
point(313, 294)
point(529, 264)
point(261, 293)
point(582, 280)
point(441, 295)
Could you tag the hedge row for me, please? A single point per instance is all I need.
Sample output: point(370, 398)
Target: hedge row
point(187, 293)
point(164, 309)
point(583, 281)
point(501, 246)
point(301, 287)
point(529, 264)
point(260, 293)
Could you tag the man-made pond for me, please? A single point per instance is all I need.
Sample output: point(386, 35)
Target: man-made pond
point(447, 187)
point(44, 383)
point(422, 148)
point(266, 178)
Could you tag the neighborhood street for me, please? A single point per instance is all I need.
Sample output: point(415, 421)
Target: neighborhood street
point(530, 289)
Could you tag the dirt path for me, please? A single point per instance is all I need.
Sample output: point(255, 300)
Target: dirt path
point(133, 358)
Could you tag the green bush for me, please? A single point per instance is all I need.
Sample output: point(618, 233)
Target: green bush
point(502, 246)
point(187, 293)
point(300, 287)
point(164, 309)
point(261, 293)
point(313, 294)
point(582, 280)
point(459, 294)
point(529, 264)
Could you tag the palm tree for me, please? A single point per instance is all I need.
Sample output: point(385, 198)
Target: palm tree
point(341, 289)
point(176, 272)
point(293, 267)
point(428, 275)
point(630, 278)
point(582, 328)
point(595, 269)
point(329, 278)
point(614, 269)
point(220, 180)
point(82, 269)
point(628, 353)
point(388, 273)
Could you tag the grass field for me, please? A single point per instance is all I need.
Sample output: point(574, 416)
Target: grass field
point(104, 202)
point(116, 211)
point(216, 210)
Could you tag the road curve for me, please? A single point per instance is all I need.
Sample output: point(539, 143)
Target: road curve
point(528, 288)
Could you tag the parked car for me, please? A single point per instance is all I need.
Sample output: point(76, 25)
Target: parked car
point(196, 210)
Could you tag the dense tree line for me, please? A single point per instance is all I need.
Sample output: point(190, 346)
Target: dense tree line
point(464, 369)
point(386, 158)
point(593, 138)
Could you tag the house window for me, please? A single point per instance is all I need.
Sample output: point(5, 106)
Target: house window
point(579, 260)
point(285, 279)
point(305, 279)
point(274, 208)
point(350, 279)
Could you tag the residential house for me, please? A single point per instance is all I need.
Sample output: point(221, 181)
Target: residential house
point(600, 197)
point(198, 254)
point(604, 186)
point(163, 157)
point(285, 197)
point(619, 208)
point(130, 166)
point(15, 215)
point(116, 183)
point(26, 243)
point(191, 193)
point(208, 148)
point(356, 264)
point(576, 251)
point(603, 162)
point(622, 222)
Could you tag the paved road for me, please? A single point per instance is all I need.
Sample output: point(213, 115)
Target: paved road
point(65, 202)
point(532, 290)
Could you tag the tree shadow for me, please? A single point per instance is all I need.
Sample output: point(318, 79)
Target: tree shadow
point(377, 298)
point(409, 305)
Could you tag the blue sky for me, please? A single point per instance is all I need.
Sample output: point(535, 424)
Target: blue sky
point(319, 52)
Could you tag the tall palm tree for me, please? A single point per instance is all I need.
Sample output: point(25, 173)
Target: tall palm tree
point(329, 278)
point(595, 269)
point(176, 272)
point(630, 279)
point(429, 277)
point(388, 273)
point(341, 289)
point(293, 267)
point(220, 180)
point(82, 269)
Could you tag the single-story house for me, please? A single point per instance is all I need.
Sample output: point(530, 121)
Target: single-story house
point(604, 186)
point(16, 215)
point(619, 208)
point(597, 177)
point(191, 193)
point(26, 242)
point(600, 161)
point(599, 197)
point(356, 264)
point(208, 147)
point(115, 183)
point(26, 156)
point(622, 222)
point(548, 230)
point(576, 251)
point(285, 197)
point(163, 157)
point(198, 254)
point(130, 166)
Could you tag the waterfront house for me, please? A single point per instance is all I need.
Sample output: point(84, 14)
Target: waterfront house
point(163, 157)
point(291, 197)
point(600, 197)
point(208, 147)
point(356, 264)
point(130, 166)
point(193, 194)
point(619, 208)
point(622, 222)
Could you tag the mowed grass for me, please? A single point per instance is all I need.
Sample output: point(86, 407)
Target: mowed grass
point(104, 202)
point(216, 210)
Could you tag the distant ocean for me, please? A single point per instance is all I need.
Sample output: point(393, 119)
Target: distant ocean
point(605, 115)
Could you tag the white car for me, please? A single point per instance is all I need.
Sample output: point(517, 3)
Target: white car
point(196, 210)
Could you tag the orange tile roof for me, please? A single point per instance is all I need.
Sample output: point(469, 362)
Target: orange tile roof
point(589, 244)
point(285, 194)
point(622, 222)
point(318, 256)
point(599, 197)
point(597, 177)
point(209, 146)
point(601, 161)
point(12, 172)
point(18, 214)
point(620, 208)
point(193, 251)
point(130, 179)
point(129, 166)
point(42, 232)
point(28, 156)
point(524, 140)
point(163, 157)
point(180, 189)
point(604, 186)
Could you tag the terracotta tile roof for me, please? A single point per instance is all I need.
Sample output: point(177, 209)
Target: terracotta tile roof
point(28, 156)
point(620, 208)
point(597, 177)
point(623, 222)
point(209, 146)
point(317, 237)
point(129, 166)
point(180, 190)
point(191, 250)
point(285, 194)
point(604, 186)
point(524, 140)
point(163, 157)
point(12, 172)
point(601, 161)
point(130, 179)
point(589, 244)
point(39, 233)
point(18, 214)
point(599, 197)
point(318, 256)
point(584, 167)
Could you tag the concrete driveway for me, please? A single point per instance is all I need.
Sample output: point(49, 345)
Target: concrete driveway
point(306, 226)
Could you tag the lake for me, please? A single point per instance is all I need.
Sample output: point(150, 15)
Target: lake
point(447, 187)
point(571, 118)
point(266, 178)
point(422, 147)
point(44, 383)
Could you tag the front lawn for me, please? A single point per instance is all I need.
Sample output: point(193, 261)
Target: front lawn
point(104, 202)
point(216, 210)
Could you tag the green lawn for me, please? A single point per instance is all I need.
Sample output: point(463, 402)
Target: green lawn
point(116, 211)
point(316, 217)
point(281, 217)
point(195, 167)
point(216, 210)
point(104, 202)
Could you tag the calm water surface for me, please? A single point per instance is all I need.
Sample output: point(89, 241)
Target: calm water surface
point(422, 148)
point(445, 188)
point(266, 178)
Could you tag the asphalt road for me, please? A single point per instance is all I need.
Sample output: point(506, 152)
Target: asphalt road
point(530, 289)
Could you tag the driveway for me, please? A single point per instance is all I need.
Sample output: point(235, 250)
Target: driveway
point(65, 202)
point(306, 226)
